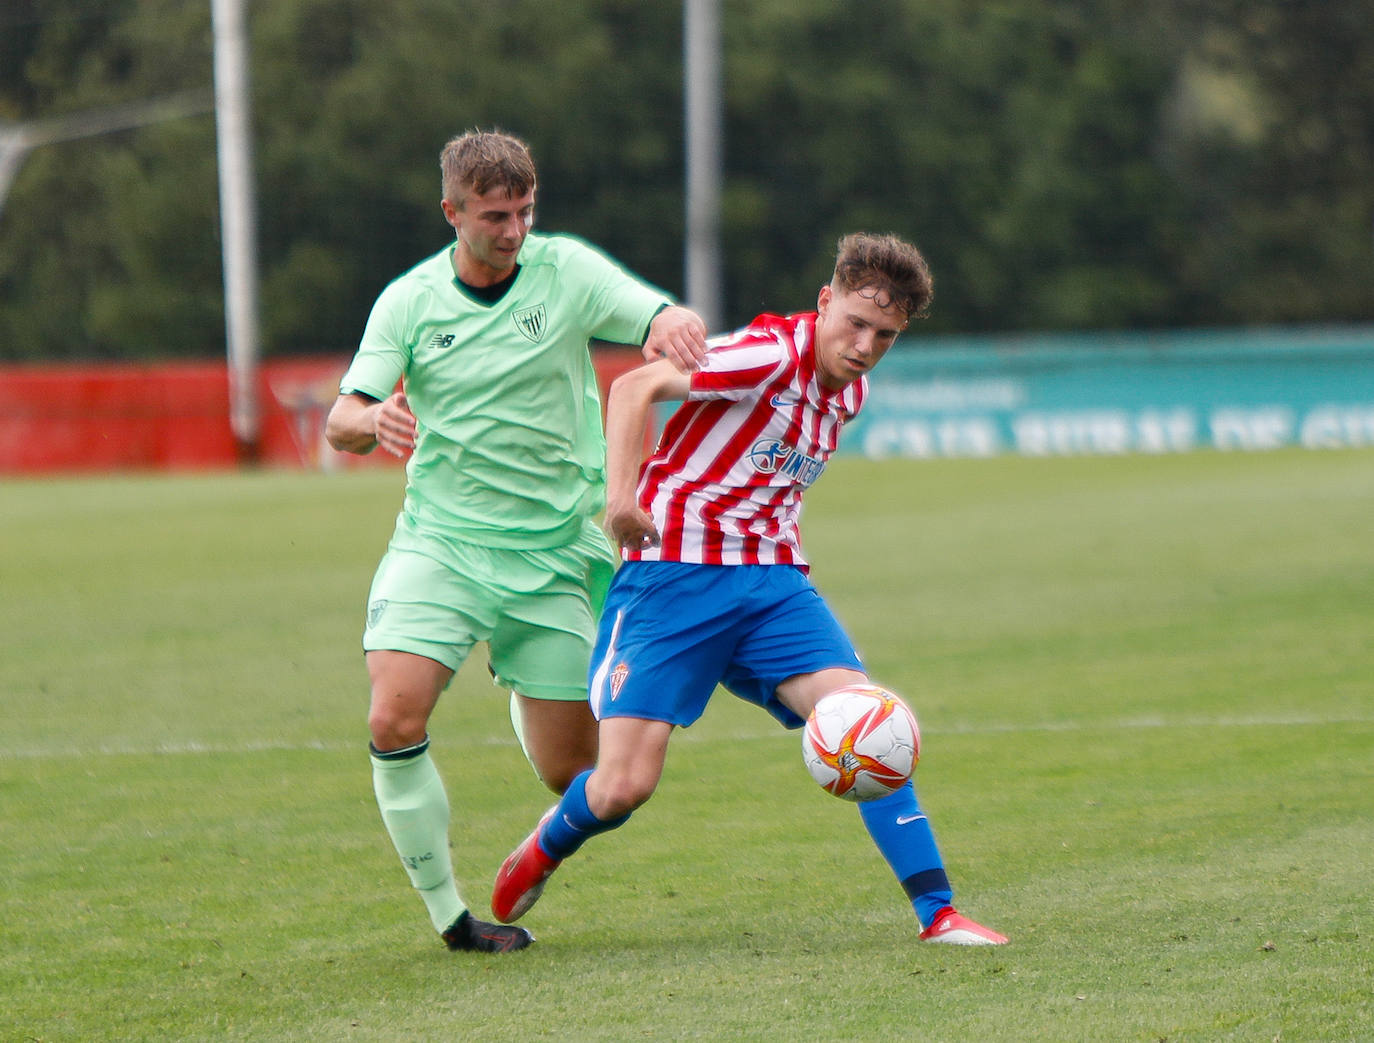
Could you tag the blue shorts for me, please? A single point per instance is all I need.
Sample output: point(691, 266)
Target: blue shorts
point(670, 632)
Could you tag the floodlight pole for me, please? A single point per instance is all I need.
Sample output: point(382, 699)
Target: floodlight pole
point(238, 222)
point(702, 76)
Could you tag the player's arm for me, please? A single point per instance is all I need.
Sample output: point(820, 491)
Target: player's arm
point(358, 423)
point(677, 334)
point(628, 405)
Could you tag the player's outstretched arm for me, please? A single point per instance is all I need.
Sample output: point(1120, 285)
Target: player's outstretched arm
point(627, 413)
point(358, 424)
point(677, 334)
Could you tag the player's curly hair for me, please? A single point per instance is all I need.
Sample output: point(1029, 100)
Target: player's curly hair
point(889, 266)
point(481, 160)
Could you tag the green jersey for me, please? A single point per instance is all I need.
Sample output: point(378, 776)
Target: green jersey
point(510, 451)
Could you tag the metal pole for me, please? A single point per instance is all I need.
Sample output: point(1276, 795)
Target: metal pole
point(18, 139)
point(701, 83)
point(238, 221)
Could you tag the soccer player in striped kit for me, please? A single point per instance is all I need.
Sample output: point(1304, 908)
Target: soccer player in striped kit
point(714, 587)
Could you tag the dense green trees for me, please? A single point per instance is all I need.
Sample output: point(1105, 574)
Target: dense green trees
point(1064, 164)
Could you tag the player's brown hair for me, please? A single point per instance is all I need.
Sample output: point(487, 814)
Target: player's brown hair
point(481, 160)
point(890, 267)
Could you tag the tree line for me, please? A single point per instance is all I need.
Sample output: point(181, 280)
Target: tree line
point(1063, 164)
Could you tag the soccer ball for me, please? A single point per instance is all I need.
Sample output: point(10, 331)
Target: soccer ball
point(861, 742)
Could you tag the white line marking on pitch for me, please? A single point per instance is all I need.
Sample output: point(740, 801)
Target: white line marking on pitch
point(456, 741)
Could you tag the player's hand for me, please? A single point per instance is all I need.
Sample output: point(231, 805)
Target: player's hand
point(679, 335)
point(631, 527)
point(393, 425)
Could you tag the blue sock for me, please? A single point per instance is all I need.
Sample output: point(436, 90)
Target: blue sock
point(899, 828)
point(572, 822)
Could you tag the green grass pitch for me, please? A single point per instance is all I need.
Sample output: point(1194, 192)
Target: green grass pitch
point(1146, 688)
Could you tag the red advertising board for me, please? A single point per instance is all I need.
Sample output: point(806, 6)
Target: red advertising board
point(175, 415)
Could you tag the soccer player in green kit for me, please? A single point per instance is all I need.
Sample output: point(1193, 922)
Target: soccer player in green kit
point(496, 541)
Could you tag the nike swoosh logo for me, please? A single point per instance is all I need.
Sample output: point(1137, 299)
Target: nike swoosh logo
point(779, 400)
point(903, 820)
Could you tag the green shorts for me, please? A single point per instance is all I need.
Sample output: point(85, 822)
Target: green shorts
point(536, 609)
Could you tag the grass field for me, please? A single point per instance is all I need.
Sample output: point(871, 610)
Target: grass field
point(1146, 687)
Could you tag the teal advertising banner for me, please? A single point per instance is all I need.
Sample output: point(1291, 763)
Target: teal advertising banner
point(1078, 394)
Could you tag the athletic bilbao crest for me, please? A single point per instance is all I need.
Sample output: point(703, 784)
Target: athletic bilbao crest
point(531, 322)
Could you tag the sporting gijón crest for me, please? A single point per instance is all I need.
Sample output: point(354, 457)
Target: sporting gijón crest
point(532, 322)
point(618, 676)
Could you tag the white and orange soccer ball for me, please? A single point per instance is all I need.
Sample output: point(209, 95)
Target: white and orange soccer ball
point(861, 742)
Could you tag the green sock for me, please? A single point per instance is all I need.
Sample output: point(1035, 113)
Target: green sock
point(415, 810)
point(517, 722)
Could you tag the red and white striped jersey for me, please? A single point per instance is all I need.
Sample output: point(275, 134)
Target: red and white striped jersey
point(725, 484)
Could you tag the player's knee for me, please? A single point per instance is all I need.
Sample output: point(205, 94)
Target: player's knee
point(392, 728)
point(619, 793)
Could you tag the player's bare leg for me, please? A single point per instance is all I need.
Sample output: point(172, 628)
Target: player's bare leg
point(559, 738)
point(405, 689)
point(801, 692)
point(633, 752)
